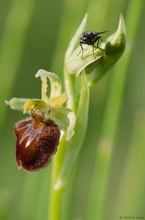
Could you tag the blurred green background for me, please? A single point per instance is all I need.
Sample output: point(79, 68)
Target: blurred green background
point(109, 180)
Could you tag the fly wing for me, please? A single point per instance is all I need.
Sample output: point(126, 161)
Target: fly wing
point(102, 32)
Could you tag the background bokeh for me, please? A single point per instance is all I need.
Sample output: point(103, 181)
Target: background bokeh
point(109, 180)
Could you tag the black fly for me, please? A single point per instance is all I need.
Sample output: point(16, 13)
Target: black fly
point(90, 38)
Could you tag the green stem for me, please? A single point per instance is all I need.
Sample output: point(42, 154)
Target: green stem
point(68, 151)
point(55, 207)
point(74, 145)
point(57, 192)
point(55, 199)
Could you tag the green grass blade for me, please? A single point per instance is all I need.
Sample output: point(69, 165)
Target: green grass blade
point(12, 44)
point(131, 198)
point(112, 113)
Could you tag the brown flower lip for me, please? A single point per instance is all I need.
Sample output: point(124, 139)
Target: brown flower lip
point(36, 142)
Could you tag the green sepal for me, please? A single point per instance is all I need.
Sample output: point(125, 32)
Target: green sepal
point(17, 103)
point(65, 119)
point(60, 117)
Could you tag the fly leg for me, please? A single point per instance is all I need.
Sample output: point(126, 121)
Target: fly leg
point(98, 42)
point(82, 49)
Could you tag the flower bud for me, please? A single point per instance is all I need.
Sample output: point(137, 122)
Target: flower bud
point(97, 61)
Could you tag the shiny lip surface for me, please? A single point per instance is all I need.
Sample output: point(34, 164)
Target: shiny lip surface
point(35, 145)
